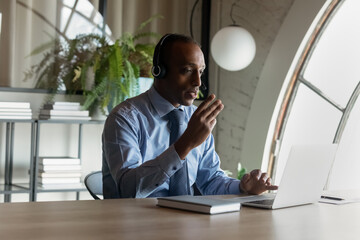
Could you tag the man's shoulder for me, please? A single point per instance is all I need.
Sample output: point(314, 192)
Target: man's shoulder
point(132, 106)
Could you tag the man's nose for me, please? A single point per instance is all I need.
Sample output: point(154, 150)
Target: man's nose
point(197, 79)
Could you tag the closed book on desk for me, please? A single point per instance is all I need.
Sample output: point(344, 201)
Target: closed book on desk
point(199, 204)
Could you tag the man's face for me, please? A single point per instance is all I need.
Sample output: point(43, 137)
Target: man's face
point(184, 67)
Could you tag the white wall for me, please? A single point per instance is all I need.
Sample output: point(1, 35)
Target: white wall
point(263, 20)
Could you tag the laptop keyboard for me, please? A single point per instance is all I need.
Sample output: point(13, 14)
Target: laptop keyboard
point(268, 202)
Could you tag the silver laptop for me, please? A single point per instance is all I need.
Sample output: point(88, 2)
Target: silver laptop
point(303, 180)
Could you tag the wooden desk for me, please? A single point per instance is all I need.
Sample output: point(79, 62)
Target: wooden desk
point(141, 219)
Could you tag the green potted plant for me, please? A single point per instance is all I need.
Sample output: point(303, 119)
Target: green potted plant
point(105, 72)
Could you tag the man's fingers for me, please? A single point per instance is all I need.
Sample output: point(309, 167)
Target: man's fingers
point(206, 102)
point(271, 187)
point(210, 110)
point(257, 182)
point(212, 123)
point(245, 178)
point(268, 181)
point(213, 111)
point(264, 177)
point(256, 173)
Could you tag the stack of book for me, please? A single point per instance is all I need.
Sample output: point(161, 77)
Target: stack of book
point(15, 110)
point(59, 172)
point(63, 111)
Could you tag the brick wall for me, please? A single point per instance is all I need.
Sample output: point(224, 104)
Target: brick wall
point(262, 18)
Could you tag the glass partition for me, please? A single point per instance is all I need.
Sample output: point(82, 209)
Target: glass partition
point(28, 25)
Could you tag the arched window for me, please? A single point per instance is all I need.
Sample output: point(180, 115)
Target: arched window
point(321, 103)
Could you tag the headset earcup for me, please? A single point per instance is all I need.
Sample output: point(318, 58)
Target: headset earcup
point(162, 73)
point(158, 71)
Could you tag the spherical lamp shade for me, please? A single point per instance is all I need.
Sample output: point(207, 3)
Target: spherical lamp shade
point(233, 48)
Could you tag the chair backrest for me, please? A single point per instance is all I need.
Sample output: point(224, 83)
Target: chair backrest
point(94, 184)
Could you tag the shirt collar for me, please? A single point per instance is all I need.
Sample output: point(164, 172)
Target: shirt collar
point(161, 105)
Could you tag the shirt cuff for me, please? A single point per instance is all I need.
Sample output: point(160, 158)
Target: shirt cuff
point(170, 161)
point(234, 187)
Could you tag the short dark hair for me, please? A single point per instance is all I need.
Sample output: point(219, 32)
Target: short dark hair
point(165, 42)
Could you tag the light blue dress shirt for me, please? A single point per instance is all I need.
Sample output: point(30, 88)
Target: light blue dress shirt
point(138, 161)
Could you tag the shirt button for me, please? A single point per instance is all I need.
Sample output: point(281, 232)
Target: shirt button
point(174, 168)
point(157, 185)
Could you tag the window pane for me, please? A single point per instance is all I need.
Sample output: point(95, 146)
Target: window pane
point(345, 171)
point(86, 8)
point(79, 25)
point(69, 3)
point(336, 59)
point(64, 18)
point(312, 120)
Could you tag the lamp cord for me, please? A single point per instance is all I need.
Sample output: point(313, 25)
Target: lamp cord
point(231, 13)
point(191, 18)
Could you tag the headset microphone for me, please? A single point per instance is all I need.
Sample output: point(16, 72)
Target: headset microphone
point(203, 87)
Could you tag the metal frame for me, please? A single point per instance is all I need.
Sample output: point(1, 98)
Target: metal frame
point(32, 187)
point(296, 79)
point(9, 186)
point(35, 189)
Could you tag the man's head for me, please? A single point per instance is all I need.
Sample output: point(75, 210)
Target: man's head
point(178, 65)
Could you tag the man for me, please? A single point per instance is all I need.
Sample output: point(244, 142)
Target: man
point(141, 156)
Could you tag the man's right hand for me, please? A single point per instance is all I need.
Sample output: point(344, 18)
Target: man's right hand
point(200, 126)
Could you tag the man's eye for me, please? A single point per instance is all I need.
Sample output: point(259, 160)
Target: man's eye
point(187, 70)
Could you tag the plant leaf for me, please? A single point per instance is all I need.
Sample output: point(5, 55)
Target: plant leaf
point(146, 22)
point(42, 48)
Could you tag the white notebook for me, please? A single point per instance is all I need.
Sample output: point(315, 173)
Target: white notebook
point(199, 204)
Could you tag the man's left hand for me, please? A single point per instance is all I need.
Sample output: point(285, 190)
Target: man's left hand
point(256, 182)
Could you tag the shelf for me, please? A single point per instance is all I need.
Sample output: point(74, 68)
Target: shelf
point(62, 188)
point(18, 120)
point(14, 188)
point(54, 121)
point(72, 121)
point(33, 188)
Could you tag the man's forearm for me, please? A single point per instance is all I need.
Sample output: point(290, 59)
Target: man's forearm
point(141, 180)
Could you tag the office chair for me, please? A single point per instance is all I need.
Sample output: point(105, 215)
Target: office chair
point(93, 182)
